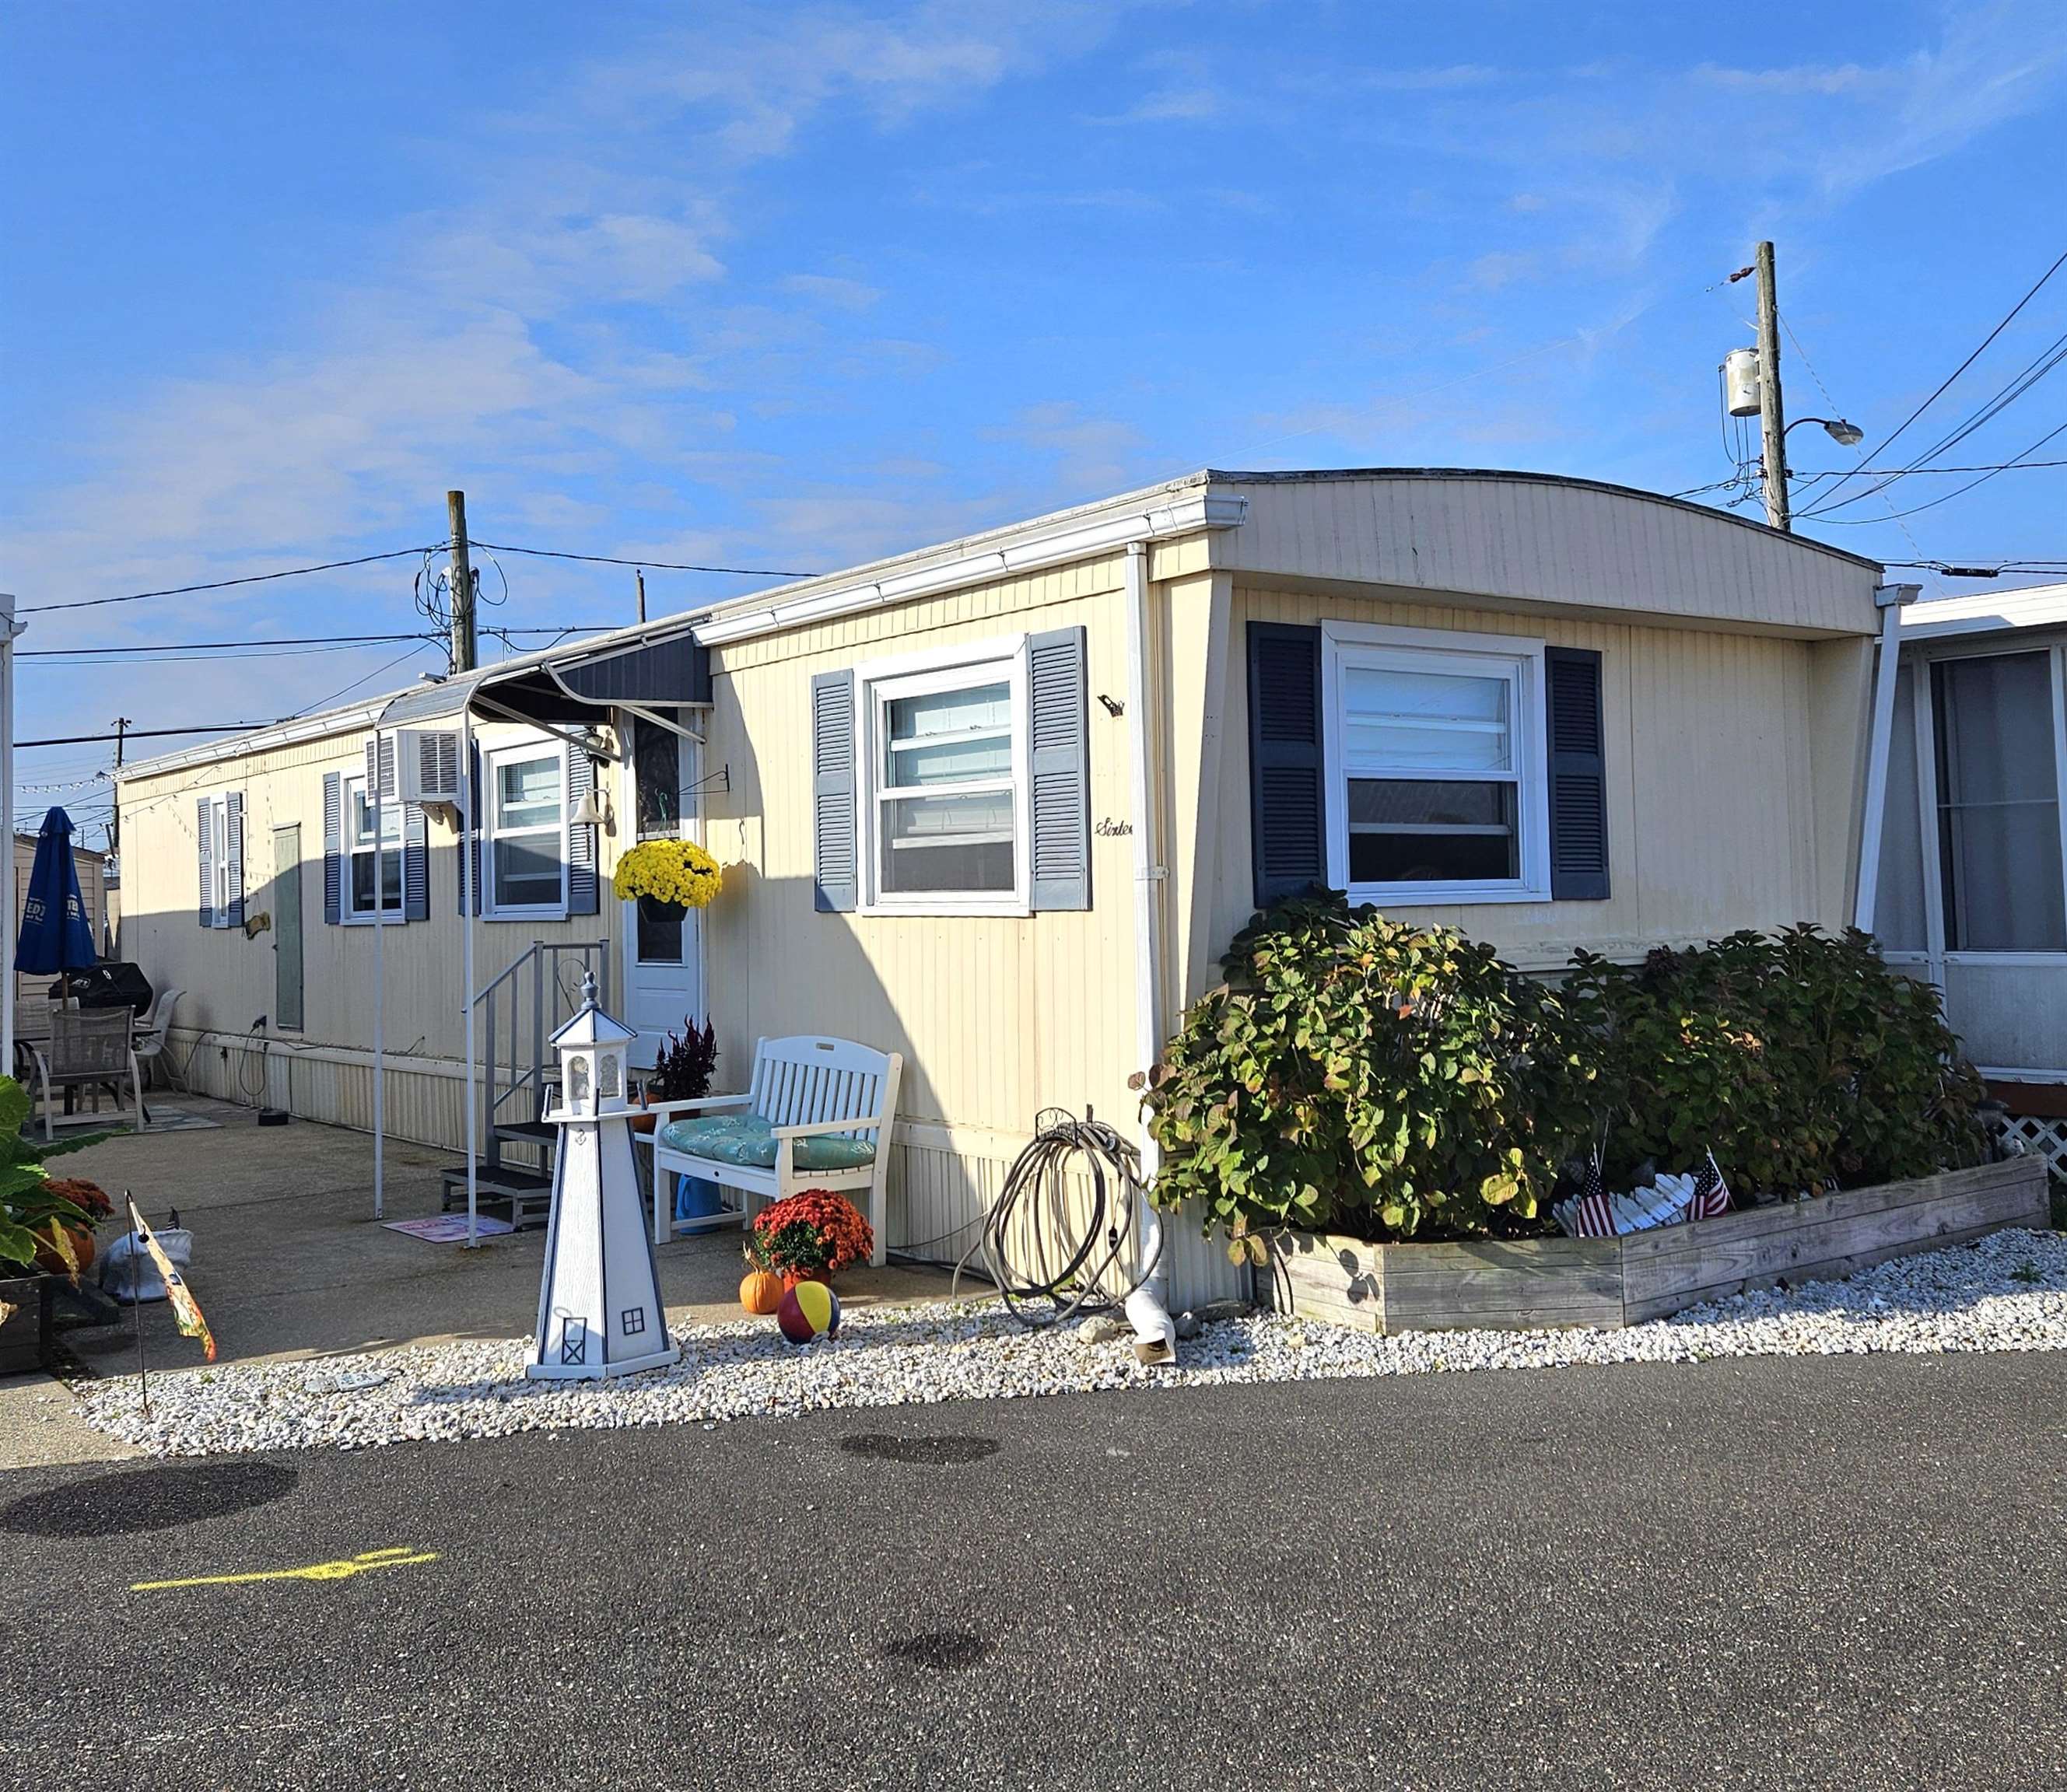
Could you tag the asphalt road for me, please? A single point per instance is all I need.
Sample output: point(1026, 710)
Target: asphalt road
point(1843, 1572)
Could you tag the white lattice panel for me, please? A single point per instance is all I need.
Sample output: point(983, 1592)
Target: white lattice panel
point(2047, 1137)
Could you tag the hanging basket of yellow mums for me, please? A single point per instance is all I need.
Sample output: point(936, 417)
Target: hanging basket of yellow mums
point(675, 871)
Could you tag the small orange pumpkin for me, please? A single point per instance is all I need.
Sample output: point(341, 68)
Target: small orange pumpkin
point(762, 1291)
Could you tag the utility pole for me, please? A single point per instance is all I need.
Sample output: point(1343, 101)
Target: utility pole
point(115, 826)
point(462, 586)
point(641, 576)
point(1772, 424)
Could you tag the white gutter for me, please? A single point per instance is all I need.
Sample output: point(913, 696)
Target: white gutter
point(354, 721)
point(1892, 599)
point(1148, 1306)
point(1200, 509)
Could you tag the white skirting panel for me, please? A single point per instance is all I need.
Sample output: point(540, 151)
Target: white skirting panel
point(941, 1183)
point(424, 1095)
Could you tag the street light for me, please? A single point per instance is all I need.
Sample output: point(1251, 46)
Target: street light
point(1844, 434)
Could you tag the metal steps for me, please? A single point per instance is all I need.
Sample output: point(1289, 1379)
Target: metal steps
point(528, 1193)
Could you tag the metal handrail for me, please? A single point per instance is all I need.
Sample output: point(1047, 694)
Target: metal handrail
point(549, 989)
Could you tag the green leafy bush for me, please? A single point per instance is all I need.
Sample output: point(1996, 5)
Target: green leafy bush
point(1358, 1073)
point(33, 1211)
point(1798, 1058)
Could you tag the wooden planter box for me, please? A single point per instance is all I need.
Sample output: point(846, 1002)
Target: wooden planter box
point(25, 1334)
point(1535, 1284)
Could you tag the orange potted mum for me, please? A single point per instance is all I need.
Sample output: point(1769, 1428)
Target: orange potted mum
point(810, 1237)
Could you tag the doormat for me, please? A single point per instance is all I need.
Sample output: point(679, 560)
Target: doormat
point(448, 1228)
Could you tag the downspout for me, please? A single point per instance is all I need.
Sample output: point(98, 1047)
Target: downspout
point(379, 983)
point(475, 872)
point(1879, 741)
point(1148, 1306)
point(10, 901)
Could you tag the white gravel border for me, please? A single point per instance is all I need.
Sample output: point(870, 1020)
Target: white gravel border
point(2007, 1292)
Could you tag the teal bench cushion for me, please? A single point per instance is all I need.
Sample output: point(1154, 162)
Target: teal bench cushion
point(749, 1141)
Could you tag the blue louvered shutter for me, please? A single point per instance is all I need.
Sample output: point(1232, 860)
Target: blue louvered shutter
point(233, 843)
point(1287, 826)
point(333, 847)
point(1061, 805)
point(1578, 775)
point(205, 835)
point(416, 863)
point(583, 894)
point(834, 880)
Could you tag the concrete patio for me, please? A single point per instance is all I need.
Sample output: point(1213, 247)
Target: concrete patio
point(289, 1261)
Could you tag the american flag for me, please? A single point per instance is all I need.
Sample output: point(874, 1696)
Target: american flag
point(1592, 1216)
point(1711, 1193)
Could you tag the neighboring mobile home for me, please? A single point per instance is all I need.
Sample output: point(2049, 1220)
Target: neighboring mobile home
point(1556, 713)
point(1970, 891)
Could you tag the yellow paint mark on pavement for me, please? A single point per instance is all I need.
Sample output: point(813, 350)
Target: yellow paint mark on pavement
point(364, 1562)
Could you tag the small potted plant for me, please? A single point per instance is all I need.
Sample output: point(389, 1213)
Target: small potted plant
point(91, 1200)
point(36, 1217)
point(682, 1071)
point(810, 1237)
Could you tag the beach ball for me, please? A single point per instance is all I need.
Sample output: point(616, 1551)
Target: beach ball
point(810, 1310)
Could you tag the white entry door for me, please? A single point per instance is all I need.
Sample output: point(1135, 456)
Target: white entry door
point(663, 944)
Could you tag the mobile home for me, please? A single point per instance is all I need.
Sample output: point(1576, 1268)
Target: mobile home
point(999, 803)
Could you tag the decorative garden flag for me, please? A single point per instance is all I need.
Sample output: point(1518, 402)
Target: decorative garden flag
point(1711, 1193)
point(186, 1310)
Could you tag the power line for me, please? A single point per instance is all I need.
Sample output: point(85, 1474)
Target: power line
point(201, 646)
point(324, 702)
point(221, 584)
point(658, 566)
point(1932, 504)
point(210, 659)
point(1944, 385)
point(142, 734)
point(1841, 473)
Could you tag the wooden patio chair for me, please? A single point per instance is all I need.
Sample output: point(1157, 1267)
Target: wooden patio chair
point(806, 1091)
point(88, 1048)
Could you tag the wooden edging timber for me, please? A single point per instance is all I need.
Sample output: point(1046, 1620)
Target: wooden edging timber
point(1536, 1284)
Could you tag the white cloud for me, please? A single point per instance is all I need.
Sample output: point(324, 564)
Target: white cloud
point(1088, 455)
point(830, 289)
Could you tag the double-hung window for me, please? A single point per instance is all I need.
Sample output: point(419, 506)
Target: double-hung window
point(1437, 785)
point(526, 829)
point(944, 812)
point(370, 865)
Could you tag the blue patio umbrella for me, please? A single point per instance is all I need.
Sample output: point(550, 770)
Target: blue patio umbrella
point(55, 935)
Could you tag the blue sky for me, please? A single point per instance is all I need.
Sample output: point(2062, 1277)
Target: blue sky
point(793, 287)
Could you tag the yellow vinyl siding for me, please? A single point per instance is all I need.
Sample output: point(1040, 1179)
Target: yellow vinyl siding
point(1714, 817)
point(229, 978)
point(996, 1017)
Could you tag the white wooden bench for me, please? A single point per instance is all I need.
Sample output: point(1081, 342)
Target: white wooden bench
point(804, 1088)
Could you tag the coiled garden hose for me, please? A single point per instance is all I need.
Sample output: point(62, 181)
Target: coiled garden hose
point(1049, 1248)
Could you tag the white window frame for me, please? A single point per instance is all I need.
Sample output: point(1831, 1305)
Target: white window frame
point(492, 758)
point(950, 668)
point(348, 848)
point(1936, 954)
point(1516, 659)
point(220, 895)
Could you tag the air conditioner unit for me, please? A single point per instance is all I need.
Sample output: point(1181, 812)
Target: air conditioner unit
point(429, 761)
point(414, 765)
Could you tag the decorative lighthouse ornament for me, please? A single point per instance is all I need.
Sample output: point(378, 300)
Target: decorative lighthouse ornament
point(599, 1310)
